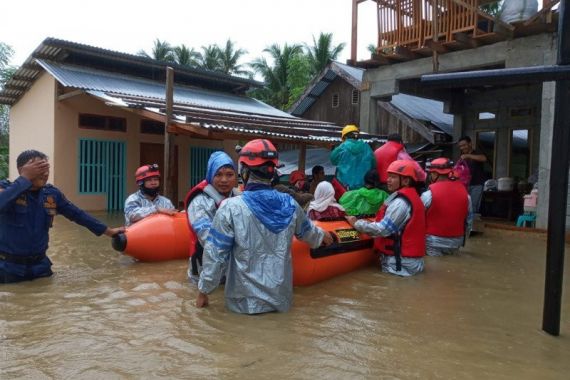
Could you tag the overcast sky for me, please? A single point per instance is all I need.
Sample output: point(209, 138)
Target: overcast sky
point(131, 25)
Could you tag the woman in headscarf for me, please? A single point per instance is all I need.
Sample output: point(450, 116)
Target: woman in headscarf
point(324, 205)
point(203, 200)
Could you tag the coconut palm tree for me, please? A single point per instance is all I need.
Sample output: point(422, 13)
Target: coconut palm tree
point(209, 58)
point(185, 56)
point(277, 74)
point(161, 51)
point(229, 58)
point(322, 52)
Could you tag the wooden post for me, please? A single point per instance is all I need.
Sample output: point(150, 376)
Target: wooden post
point(558, 185)
point(169, 156)
point(354, 36)
point(302, 157)
point(434, 20)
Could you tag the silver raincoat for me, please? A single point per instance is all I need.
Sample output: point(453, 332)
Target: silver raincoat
point(259, 268)
point(438, 245)
point(201, 213)
point(398, 212)
point(138, 207)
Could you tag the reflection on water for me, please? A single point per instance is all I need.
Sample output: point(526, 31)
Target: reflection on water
point(104, 316)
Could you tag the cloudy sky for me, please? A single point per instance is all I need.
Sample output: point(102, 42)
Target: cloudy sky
point(131, 25)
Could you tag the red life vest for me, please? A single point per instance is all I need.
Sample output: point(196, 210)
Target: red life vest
point(448, 211)
point(385, 155)
point(411, 242)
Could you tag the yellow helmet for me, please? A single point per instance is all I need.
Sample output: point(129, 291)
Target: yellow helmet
point(349, 129)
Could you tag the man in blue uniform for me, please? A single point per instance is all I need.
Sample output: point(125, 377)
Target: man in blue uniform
point(27, 208)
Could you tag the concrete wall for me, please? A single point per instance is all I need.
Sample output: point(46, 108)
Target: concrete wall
point(528, 51)
point(32, 123)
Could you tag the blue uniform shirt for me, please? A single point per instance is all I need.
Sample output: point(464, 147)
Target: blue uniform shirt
point(26, 217)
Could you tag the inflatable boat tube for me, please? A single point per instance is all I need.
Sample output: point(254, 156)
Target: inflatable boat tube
point(352, 250)
point(158, 237)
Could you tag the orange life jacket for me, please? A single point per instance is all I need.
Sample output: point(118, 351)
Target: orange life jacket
point(411, 242)
point(447, 213)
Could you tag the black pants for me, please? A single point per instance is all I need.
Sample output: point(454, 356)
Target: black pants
point(197, 259)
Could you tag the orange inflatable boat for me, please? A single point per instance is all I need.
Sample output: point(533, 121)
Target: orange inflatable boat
point(351, 250)
point(158, 237)
point(161, 237)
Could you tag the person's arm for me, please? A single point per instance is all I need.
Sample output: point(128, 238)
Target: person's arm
point(305, 230)
point(200, 218)
point(336, 155)
point(426, 199)
point(12, 191)
point(165, 206)
point(474, 157)
point(134, 211)
point(77, 215)
point(216, 253)
point(397, 214)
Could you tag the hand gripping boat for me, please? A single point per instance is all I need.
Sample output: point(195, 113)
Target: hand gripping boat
point(162, 237)
point(158, 237)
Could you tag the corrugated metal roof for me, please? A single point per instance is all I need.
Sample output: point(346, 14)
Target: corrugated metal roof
point(424, 109)
point(90, 79)
point(234, 123)
point(55, 50)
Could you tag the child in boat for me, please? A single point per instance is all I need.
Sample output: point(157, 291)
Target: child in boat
point(251, 235)
point(203, 200)
point(325, 206)
point(368, 199)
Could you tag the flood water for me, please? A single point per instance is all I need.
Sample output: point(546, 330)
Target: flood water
point(103, 316)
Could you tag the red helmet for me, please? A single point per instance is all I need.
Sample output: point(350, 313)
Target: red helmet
point(403, 168)
point(147, 171)
point(440, 165)
point(258, 152)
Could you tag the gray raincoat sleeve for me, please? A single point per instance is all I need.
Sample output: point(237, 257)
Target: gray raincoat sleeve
point(201, 213)
point(398, 212)
point(138, 207)
point(259, 275)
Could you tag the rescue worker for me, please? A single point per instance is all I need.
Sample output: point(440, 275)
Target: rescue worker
point(202, 202)
point(252, 234)
point(448, 210)
point(27, 209)
point(147, 201)
point(353, 158)
point(391, 151)
point(399, 229)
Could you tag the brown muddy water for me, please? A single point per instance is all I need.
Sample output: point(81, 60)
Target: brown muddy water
point(104, 316)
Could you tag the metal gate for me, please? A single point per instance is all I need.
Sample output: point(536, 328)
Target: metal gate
point(102, 170)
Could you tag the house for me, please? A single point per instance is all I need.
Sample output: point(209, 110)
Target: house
point(510, 123)
point(100, 114)
point(334, 96)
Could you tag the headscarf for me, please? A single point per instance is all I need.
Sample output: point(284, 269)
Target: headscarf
point(324, 198)
point(216, 161)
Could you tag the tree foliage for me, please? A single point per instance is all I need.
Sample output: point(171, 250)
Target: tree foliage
point(322, 52)
point(6, 73)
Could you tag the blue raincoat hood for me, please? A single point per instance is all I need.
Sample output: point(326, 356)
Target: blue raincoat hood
point(215, 162)
point(272, 208)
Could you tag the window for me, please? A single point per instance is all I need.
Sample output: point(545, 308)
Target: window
point(199, 163)
point(102, 170)
point(106, 123)
point(486, 116)
point(519, 112)
point(355, 96)
point(335, 100)
point(152, 127)
point(519, 155)
point(486, 143)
